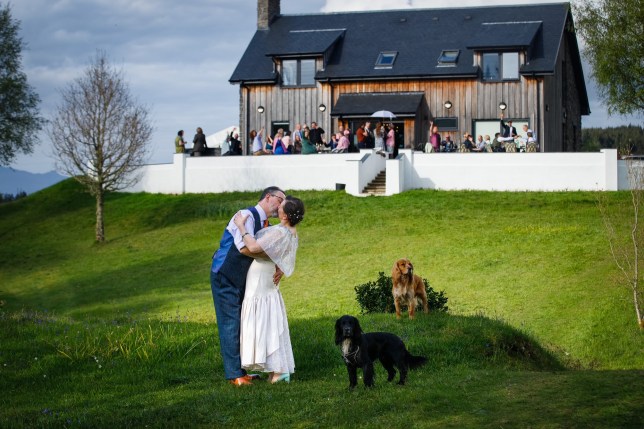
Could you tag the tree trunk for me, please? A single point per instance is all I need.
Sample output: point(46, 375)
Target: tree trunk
point(100, 226)
point(640, 321)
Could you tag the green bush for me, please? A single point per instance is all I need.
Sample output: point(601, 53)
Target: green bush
point(376, 297)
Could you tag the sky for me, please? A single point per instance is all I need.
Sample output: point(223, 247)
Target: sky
point(177, 57)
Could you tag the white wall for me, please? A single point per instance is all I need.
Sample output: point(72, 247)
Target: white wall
point(246, 173)
point(411, 170)
point(516, 171)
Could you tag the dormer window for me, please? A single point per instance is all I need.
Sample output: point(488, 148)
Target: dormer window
point(298, 73)
point(499, 66)
point(448, 58)
point(386, 60)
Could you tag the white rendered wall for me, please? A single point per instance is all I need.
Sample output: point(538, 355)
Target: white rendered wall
point(516, 171)
point(411, 170)
point(215, 174)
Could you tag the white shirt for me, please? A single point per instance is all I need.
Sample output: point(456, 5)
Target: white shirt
point(250, 226)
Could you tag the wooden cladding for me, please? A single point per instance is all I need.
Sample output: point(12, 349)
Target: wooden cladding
point(471, 100)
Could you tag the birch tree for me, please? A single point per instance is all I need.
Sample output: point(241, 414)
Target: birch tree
point(626, 235)
point(100, 133)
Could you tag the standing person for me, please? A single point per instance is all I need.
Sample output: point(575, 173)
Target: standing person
point(230, 265)
point(258, 143)
point(235, 143)
point(507, 130)
point(297, 139)
point(265, 343)
point(276, 142)
point(368, 135)
point(391, 139)
point(360, 137)
point(179, 143)
point(434, 137)
point(315, 134)
point(199, 143)
point(307, 146)
point(379, 136)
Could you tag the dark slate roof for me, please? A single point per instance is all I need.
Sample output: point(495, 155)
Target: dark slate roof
point(304, 42)
point(364, 104)
point(505, 35)
point(355, 39)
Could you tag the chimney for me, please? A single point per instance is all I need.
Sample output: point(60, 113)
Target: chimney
point(267, 11)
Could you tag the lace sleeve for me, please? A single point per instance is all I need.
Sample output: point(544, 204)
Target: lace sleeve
point(280, 245)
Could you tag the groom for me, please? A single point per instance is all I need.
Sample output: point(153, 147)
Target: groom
point(230, 265)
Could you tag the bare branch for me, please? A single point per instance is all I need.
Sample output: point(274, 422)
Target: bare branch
point(100, 133)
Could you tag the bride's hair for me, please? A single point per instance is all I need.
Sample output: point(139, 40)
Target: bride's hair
point(294, 210)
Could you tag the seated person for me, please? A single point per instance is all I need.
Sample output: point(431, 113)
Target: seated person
point(487, 142)
point(448, 145)
point(343, 143)
point(531, 139)
point(480, 144)
point(468, 142)
point(497, 146)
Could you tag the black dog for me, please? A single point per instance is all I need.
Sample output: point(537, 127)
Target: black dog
point(360, 350)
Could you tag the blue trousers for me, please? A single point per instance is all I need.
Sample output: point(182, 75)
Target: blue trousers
point(228, 302)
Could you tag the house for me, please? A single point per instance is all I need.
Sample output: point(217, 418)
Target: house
point(458, 67)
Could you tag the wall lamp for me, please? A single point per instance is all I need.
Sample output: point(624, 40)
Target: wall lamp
point(260, 109)
point(503, 106)
point(448, 104)
point(321, 107)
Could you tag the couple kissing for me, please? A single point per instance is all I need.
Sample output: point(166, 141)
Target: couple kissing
point(244, 277)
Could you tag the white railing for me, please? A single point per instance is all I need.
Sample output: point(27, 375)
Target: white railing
point(411, 170)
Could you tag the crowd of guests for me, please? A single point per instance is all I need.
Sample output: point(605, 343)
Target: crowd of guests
point(307, 140)
point(506, 141)
point(200, 146)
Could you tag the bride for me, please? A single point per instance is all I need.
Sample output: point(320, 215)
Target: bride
point(265, 343)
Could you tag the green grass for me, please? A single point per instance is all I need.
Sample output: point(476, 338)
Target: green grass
point(122, 334)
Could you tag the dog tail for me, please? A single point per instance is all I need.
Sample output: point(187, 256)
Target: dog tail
point(415, 361)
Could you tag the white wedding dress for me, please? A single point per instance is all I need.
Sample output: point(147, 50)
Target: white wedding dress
point(265, 342)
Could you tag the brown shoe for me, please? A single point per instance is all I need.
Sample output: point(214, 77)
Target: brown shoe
point(241, 381)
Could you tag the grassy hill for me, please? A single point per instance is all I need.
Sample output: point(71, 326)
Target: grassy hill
point(538, 334)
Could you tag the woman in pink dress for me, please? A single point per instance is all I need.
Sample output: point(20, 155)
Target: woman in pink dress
point(391, 138)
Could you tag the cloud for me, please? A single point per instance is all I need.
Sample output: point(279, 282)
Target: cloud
point(176, 56)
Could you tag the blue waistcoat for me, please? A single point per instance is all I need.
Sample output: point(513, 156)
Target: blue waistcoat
point(228, 261)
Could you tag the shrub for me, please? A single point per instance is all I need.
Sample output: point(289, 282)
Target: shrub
point(375, 297)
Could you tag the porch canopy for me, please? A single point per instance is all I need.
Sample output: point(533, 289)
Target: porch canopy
point(401, 104)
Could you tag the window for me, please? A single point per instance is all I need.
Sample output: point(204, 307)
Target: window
point(446, 124)
point(276, 125)
point(298, 72)
point(386, 60)
point(448, 58)
point(510, 66)
point(500, 66)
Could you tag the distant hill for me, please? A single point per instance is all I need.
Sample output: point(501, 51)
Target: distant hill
point(14, 181)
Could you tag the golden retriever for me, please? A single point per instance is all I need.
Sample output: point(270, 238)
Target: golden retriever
point(407, 287)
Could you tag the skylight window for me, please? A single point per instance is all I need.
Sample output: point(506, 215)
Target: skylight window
point(448, 57)
point(386, 60)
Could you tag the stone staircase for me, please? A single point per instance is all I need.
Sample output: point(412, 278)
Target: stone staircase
point(378, 185)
